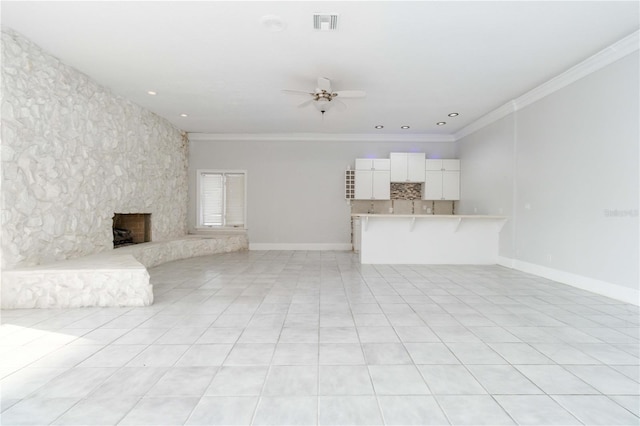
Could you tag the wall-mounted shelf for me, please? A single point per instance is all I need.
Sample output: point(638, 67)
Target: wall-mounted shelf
point(349, 184)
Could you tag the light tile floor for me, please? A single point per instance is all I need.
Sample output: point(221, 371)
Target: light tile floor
point(279, 338)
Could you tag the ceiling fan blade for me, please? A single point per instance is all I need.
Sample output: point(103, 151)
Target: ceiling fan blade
point(324, 84)
point(305, 103)
point(350, 93)
point(339, 104)
point(297, 92)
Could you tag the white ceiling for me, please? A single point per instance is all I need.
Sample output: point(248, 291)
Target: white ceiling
point(417, 60)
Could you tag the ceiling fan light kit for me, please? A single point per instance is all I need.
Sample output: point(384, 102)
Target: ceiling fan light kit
point(323, 97)
point(323, 105)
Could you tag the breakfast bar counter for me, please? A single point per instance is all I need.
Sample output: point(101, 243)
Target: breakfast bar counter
point(428, 239)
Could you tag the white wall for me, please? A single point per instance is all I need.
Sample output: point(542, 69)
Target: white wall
point(487, 176)
point(295, 189)
point(73, 154)
point(575, 156)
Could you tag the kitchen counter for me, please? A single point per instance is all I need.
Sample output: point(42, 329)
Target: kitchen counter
point(428, 239)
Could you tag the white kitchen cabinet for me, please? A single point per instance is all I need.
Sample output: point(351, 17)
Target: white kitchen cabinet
point(442, 164)
point(442, 180)
point(407, 166)
point(372, 185)
point(373, 164)
point(372, 179)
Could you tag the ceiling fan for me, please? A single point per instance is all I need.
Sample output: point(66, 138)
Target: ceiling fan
point(323, 98)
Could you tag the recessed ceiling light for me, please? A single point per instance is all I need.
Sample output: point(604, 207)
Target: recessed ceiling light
point(379, 127)
point(453, 114)
point(404, 127)
point(151, 92)
point(441, 123)
point(183, 115)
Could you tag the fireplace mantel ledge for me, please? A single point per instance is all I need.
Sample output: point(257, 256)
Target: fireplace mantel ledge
point(115, 278)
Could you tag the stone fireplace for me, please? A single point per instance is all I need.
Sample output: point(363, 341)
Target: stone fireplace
point(131, 228)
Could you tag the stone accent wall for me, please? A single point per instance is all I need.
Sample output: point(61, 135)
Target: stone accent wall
point(73, 153)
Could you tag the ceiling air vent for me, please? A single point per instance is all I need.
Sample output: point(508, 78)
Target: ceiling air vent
point(325, 21)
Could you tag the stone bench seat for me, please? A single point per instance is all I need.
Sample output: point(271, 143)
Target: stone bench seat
point(115, 278)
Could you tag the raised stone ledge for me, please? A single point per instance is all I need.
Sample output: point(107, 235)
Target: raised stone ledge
point(115, 278)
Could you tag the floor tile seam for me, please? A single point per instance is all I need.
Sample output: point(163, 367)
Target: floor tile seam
point(491, 345)
point(122, 417)
point(557, 399)
point(564, 367)
point(504, 409)
point(576, 346)
point(475, 377)
point(87, 396)
point(49, 353)
point(88, 314)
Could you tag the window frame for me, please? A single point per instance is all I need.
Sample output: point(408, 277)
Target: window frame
point(199, 173)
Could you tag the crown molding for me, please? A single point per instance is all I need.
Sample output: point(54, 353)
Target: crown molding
point(605, 57)
point(487, 119)
point(319, 137)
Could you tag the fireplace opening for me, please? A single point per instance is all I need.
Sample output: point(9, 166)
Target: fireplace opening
point(131, 228)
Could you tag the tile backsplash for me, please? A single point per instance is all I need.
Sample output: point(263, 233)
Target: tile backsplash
point(406, 191)
point(402, 207)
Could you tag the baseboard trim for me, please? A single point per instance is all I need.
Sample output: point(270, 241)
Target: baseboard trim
point(614, 291)
point(301, 246)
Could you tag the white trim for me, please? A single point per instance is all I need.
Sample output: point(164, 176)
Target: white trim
point(327, 137)
point(605, 57)
point(590, 65)
point(487, 119)
point(505, 261)
point(614, 291)
point(302, 246)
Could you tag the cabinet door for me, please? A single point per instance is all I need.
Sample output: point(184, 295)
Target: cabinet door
point(364, 164)
point(381, 164)
point(363, 185)
point(432, 187)
point(451, 164)
point(433, 164)
point(451, 185)
point(415, 167)
point(398, 162)
point(381, 185)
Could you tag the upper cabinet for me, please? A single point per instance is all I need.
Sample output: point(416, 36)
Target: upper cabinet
point(372, 179)
point(407, 166)
point(442, 180)
point(445, 164)
point(372, 164)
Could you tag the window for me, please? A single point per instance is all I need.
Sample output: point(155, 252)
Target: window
point(221, 198)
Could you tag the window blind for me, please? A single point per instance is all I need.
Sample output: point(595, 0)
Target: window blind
point(211, 199)
point(234, 199)
point(222, 197)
